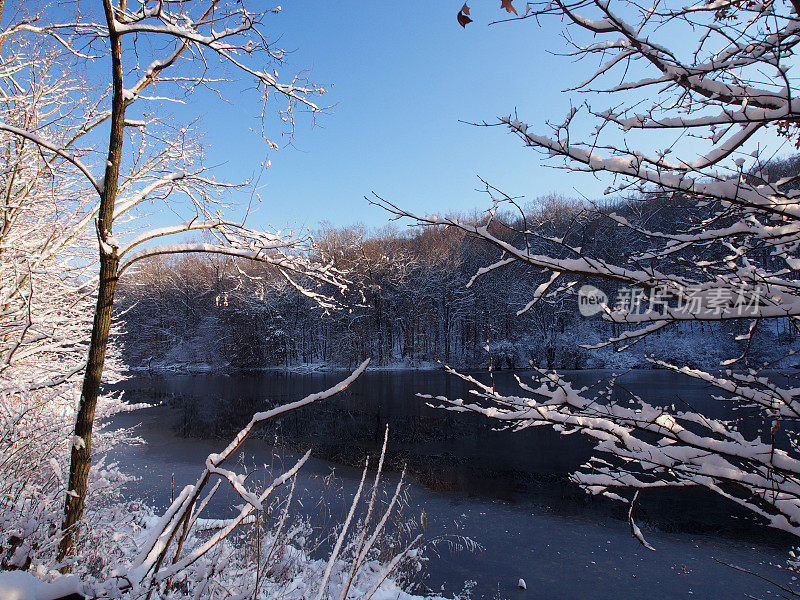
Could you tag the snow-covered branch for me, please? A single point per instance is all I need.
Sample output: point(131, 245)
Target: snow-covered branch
point(688, 135)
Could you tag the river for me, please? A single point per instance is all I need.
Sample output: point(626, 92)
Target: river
point(506, 491)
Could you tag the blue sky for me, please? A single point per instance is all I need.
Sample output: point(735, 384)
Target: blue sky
point(404, 74)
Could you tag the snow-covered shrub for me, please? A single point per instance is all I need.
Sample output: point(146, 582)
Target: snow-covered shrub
point(34, 456)
point(47, 297)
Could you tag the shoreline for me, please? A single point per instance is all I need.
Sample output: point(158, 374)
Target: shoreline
point(324, 368)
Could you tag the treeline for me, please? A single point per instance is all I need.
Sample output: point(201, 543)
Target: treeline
point(413, 299)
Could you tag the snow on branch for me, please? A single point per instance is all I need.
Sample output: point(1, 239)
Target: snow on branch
point(687, 137)
point(46, 145)
point(148, 567)
point(645, 446)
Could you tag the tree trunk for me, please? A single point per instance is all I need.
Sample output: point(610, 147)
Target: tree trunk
point(81, 458)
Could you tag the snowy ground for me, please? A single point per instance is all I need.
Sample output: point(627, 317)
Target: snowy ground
point(560, 556)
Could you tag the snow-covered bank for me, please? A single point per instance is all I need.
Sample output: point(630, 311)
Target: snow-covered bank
point(291, 572)
point(21, 585)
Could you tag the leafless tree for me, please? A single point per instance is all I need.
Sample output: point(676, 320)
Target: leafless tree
point(128, 156)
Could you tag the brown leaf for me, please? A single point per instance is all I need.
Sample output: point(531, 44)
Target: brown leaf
point(465, 9)
point(508, 6)
point(463, 19)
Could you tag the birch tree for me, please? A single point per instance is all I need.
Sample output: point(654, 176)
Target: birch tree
point(147, 55)
point(689, 103)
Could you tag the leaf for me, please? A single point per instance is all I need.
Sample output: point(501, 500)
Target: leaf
point(465, 9)
point(463, 19)
point(508, 6)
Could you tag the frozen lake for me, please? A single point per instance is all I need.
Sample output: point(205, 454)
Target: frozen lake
point(507, 491)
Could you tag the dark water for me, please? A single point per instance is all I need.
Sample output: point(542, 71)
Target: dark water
point(445, 450)
point(507, 490)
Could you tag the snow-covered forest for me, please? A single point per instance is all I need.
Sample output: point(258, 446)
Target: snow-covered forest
point(421, 305)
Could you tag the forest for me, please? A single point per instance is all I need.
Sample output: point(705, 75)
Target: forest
point(418, 303)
